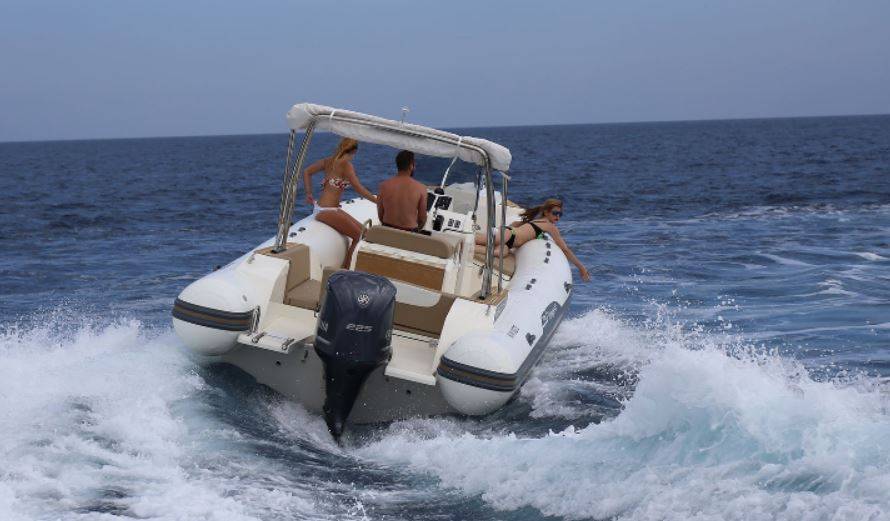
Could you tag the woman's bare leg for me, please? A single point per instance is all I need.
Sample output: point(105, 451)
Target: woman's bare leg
point(481, 243)
point(346, 225)
point(480, 248)
point(355, 233)
point(481, 239)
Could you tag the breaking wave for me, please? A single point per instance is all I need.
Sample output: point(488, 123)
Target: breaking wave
point(709, 431)
point(621, 421)
point(114, 420)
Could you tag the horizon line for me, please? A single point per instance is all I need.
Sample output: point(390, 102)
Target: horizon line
point(603, 123)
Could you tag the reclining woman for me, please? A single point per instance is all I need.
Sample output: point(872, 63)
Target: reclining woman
point(339, 174)
point(533, 224)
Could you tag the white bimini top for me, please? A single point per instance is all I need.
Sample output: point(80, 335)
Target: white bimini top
point(417, 138)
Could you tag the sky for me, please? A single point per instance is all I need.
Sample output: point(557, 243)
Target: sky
point(135, 68)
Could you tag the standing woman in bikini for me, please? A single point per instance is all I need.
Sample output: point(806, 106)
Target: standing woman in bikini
point(339, 174)
point(533, 224)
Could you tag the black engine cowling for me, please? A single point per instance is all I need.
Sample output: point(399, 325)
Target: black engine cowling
point(353, 338)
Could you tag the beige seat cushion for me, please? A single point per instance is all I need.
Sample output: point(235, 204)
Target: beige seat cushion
point(509, 262)
point(426, 320)
point(297, 256)
point(307, 295)
point(423, 319)
point(416, 273)
point(438, 246)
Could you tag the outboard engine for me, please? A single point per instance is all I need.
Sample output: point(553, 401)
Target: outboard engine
point(353, 338)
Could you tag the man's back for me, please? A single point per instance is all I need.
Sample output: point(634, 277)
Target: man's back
point(401, 202)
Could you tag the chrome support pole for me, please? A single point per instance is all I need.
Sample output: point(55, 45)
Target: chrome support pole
point(478, 186)
point(445, 175)
point(285, 178)
point(287, 209)
point(504, 179)
point(489, 233)
point(297, 171)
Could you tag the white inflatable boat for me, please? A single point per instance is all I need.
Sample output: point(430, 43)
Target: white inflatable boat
point(419, 325)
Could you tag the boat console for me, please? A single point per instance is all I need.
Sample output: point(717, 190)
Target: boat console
point(450, 208)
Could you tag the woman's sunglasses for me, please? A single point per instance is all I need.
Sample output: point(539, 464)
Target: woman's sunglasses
point(556, 213)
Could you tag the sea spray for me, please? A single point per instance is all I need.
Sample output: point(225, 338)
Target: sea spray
point(580, 379)
point(115, 419)
point(706, 434)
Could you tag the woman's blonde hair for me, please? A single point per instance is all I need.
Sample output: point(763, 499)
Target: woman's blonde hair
point(532, 213)
point(346, 146)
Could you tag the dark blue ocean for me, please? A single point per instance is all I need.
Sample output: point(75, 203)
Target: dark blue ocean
point(729, 360)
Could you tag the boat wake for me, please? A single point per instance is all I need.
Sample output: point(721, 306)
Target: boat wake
point(621, 420)
point(116, 420)
point(709, 431)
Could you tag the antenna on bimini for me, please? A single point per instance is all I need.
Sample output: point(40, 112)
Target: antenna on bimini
point(405, 111)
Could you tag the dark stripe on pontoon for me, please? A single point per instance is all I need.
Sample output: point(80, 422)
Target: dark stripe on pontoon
point(503, 382)
point(448, 370)
point(209, 317)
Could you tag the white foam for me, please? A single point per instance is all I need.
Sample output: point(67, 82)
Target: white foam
point(869, 256)
point(706, 435)
point(110, 419)
point(790, 211)
point(832, 287)
point(297, 423)
point(784, 260)
point(597, 338)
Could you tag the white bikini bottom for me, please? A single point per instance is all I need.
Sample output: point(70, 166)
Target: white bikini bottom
point(318, 209)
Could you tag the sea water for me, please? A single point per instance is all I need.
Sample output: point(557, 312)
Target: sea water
point(730, 358)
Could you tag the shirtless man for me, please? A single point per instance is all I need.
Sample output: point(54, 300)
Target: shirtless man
point(401, 201)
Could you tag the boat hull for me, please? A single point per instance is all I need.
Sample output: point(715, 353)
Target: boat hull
point(298, 376)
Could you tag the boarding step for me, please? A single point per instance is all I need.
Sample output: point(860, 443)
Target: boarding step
point(412, 358)
point(281, 335)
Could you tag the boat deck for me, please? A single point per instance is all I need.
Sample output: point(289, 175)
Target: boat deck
point(286, 327)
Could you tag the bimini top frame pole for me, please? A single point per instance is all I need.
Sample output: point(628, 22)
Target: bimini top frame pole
point(289, 188)
point(503, 229)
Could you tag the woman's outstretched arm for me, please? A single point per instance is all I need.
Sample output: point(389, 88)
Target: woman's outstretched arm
point(352, 177)
point(310, 171)
point(557, 237)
